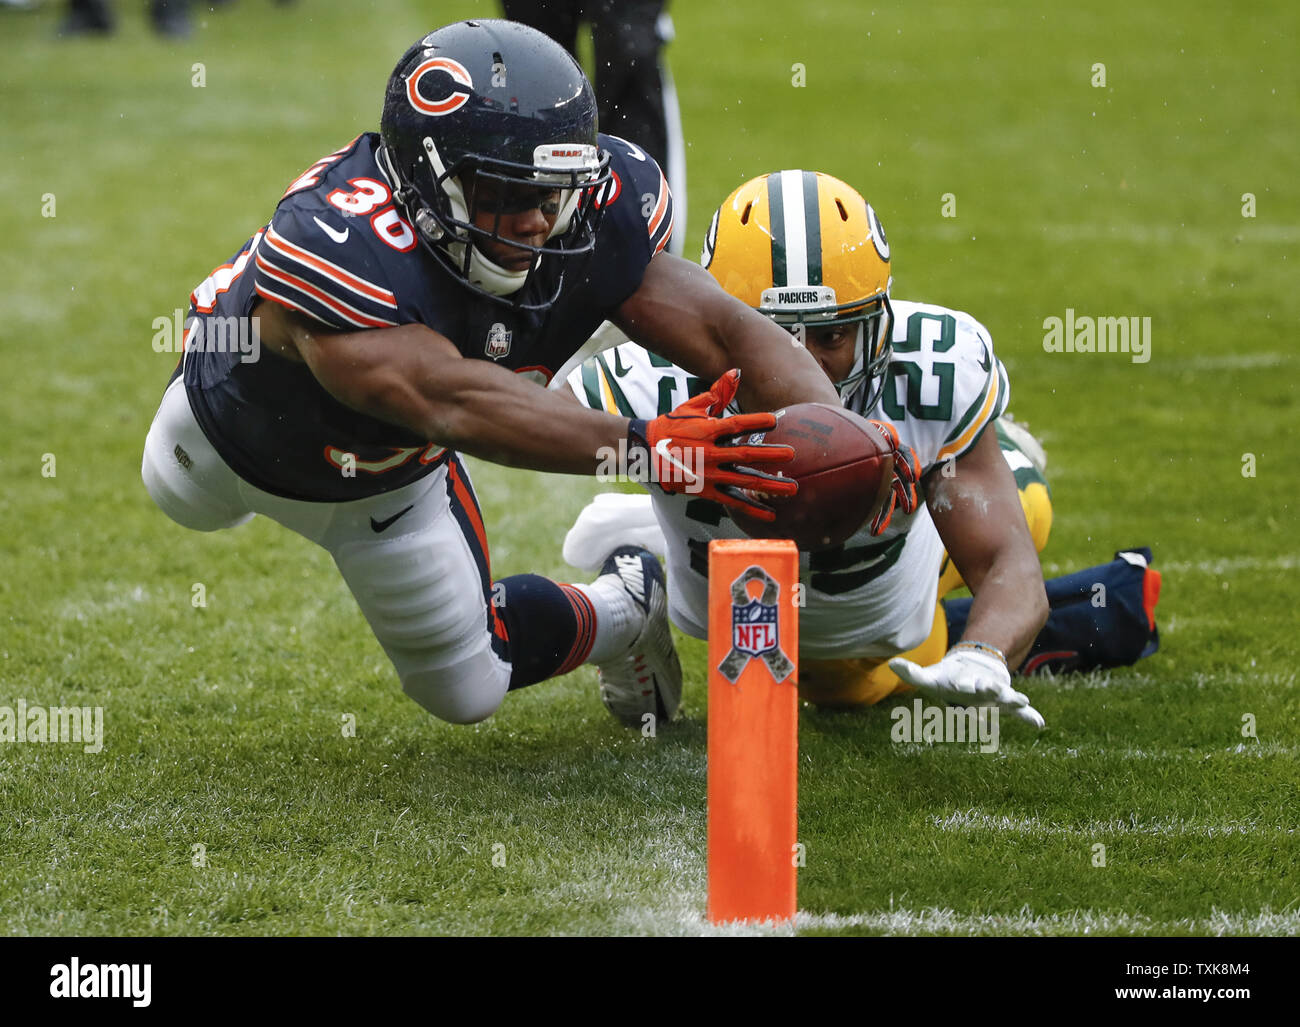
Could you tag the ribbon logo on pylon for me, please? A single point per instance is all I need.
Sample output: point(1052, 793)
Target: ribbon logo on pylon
point(755, 628)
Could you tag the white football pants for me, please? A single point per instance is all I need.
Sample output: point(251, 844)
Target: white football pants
point(420, 583)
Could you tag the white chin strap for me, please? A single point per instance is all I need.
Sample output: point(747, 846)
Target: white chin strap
point(566, 214)
point(489, 275)
point(484, 272)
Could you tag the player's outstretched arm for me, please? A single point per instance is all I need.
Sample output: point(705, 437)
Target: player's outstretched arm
point(977, 512)
point(414, 377)
point(681, 313)
point(978, 515)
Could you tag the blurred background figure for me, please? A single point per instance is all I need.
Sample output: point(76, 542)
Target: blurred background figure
point(634, 89)
point(95, 17)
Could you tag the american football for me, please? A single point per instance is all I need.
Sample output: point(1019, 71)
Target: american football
point(843, 466)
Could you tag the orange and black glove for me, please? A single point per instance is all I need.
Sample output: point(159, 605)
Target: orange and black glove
point(694, 450)
point(907, 472)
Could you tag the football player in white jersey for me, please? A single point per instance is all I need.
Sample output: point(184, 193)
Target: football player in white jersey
point(809, 252)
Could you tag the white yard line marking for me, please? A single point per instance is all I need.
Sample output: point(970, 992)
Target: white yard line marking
point(973, 820)
point(117, 597)
point(1221, 566)
point(947, 921)
point(1164, 235)
point(1229, 564)
point(1256, 750)
point(1228, 362)
point(933, 920)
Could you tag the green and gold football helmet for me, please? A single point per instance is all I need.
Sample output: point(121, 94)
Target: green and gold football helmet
point(808, 251)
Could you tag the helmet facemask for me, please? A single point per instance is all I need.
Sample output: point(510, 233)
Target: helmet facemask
point(873, 317)
point(445, 204)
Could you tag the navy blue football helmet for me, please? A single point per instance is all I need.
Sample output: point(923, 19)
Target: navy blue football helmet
point(493, 117)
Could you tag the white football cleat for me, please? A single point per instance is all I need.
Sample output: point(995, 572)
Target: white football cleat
point(647, 678)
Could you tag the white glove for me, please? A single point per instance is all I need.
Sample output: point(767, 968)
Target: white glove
point(611, 520)
point(968, 677)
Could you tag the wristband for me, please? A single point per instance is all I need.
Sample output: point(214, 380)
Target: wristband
point(981, 647)
point(637, 430)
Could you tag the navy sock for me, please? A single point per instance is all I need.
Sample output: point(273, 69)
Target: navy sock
point(550, 626)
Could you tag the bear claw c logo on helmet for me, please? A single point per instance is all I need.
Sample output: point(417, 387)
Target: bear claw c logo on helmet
point(455, 98)
point(755, 628)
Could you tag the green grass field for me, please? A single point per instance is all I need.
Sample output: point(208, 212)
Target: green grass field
point(222, 724)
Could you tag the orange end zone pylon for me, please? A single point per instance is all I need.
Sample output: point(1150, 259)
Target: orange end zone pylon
point(753, 729)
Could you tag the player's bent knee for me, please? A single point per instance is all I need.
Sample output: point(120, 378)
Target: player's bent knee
point(464, 693)
point(184, 502)
point(422, 595)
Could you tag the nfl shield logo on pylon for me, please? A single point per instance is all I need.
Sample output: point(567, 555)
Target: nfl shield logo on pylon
point(498, 341)
point(754, 628)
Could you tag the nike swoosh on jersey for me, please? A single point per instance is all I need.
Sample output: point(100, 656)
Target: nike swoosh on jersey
point(378, 526)
point(333, 233)
point(661, 447)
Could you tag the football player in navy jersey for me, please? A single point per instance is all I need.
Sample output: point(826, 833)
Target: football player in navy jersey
point(411, 295)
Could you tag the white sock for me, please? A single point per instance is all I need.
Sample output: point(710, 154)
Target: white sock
point(618, 618)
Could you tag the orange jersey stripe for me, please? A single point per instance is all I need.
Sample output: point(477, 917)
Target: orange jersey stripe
point(284, 301)
point(348, 313)
point(663, 241)
point(470, 507)
point(332, 271)
point(237, 267)
point(658, 215)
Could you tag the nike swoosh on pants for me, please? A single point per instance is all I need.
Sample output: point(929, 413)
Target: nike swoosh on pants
point(378, 526)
